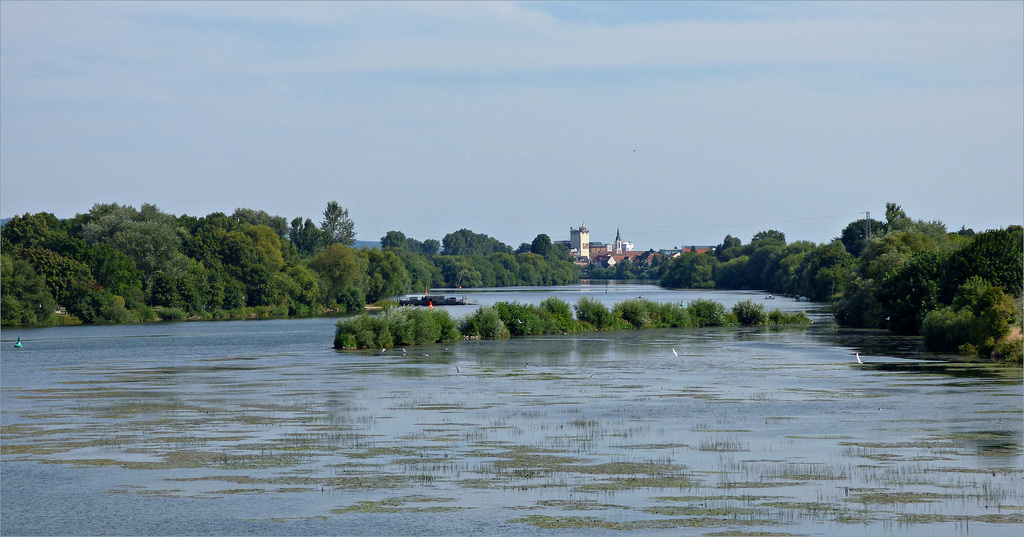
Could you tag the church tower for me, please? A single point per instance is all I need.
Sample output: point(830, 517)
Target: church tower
point(617, 247)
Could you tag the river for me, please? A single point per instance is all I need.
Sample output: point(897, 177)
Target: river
point(262, 428)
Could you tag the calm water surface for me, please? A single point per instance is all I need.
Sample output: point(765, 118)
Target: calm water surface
point(260, 427)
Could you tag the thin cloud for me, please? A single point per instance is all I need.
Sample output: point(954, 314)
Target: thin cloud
point(523, 114)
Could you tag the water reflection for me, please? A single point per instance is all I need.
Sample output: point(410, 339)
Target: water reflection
point(957, 370)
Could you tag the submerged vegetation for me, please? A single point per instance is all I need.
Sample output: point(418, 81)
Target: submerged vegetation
point(608, 430)
point(411, 326)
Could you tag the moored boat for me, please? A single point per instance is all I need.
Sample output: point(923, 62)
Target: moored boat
point(431, 300)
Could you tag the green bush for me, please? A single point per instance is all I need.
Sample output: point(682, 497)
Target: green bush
point(362, 332)
point(485, 323)
point(447, 327)
point(673, 315)
point(172, 314)
point(593, 313)
point(749, 312)
point(1010, 350)
point(559, 312)
point(386, 304)
point(704, 312)
point(352, 300)
point(415, 326)
point(947, 329)
point(634, 312)
point(143, 312)
point(114, 310)
point(779, 317)
point(395, 327)
point(980, 322)
point(520, 320)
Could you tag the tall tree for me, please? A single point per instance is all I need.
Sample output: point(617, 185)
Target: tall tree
point(855, 234)
point(308, 239)
point(148, 236)
point(770, 234)
point(895, 218)
point(340, 269)
point(541, 245)
point(338, 226)
point(728, 249)
point(466, 242)
point(393, 239)
point(430, 247)
point(385, 275)
point(262, 218)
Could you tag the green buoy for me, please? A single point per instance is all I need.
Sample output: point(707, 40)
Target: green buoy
point(18, 344)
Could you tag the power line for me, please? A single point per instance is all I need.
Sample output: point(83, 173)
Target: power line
point(704, 228)
point(680, 230)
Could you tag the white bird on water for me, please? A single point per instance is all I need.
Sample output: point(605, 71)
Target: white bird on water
point(859, 361)
point(674, 352)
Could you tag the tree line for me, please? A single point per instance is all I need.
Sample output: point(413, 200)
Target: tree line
point(120, 264)
point(960, 290)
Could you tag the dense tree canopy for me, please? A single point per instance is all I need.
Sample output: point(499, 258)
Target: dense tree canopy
point(905, 276)
point(119, 264)
point(465, 242)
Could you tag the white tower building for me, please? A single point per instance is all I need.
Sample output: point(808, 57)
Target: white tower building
point(579, 240)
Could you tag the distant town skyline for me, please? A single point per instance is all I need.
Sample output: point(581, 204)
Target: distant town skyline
point(677, 122)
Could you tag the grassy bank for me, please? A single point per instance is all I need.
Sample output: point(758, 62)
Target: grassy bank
point(412, 326)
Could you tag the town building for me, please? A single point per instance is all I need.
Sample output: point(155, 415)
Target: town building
point(650, 257)
point(586, 252)
point(676, 252)
point(620, 246)
point(579, 243)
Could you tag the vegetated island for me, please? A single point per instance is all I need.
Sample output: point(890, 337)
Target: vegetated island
point(403, 326)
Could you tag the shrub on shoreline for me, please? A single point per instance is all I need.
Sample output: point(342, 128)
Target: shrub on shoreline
point(172, 314)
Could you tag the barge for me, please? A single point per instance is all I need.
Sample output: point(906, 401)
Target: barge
point(431, 301)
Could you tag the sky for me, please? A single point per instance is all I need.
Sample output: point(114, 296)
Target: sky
point(676, 123)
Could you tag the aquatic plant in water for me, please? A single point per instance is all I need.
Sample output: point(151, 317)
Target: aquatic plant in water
point(412, 326)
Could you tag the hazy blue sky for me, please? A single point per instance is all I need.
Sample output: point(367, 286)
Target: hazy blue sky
point(678, 123)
